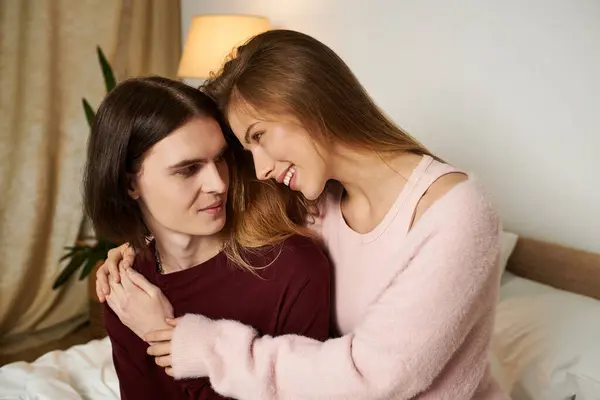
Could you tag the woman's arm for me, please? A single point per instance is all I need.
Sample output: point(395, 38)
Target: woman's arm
point(305, 312)
point(398, 349)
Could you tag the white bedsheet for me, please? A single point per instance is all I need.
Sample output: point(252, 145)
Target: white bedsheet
point(81, 372)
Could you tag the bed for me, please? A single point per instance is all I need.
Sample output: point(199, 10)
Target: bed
point(546, 343)
point(82, 372)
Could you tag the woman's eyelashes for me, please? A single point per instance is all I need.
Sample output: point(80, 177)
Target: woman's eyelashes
point(256, 136)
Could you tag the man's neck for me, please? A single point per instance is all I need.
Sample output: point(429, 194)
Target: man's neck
point(178, 252)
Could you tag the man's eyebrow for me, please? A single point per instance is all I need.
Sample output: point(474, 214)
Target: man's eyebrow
point(191, 161)
point(247, 135)
point(187, 162)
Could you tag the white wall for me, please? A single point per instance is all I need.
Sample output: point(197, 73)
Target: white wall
point(508, 89)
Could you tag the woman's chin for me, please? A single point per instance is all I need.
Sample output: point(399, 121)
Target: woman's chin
point(312, 193)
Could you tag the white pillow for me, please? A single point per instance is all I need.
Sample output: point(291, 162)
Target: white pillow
point(547, 342)
point(508, 243)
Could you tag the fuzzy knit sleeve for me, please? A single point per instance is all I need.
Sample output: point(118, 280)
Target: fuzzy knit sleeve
point(405, 339)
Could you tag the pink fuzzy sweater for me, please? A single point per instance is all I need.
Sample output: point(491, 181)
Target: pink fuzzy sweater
point(415, 308)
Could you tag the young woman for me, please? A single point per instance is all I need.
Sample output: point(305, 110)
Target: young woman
point(414, 242)
point(157, 166)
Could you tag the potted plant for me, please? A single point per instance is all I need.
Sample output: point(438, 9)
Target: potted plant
point(87, 255)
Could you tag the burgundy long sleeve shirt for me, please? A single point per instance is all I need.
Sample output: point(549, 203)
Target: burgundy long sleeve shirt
point(290, 296)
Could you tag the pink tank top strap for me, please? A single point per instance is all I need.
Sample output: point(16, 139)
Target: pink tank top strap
point(432, 171)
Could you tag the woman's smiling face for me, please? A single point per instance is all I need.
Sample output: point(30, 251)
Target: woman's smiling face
point(282, 150)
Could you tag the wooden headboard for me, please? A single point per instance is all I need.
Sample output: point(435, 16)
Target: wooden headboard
point(562, 267)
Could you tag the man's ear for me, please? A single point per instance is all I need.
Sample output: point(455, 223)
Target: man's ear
point(133, 189)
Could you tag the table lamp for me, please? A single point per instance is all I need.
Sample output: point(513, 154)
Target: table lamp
point(211, 39)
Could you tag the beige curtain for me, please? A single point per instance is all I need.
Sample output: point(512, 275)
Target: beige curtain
point(47, 64)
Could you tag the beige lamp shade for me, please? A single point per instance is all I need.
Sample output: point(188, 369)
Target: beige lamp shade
point(212, 38)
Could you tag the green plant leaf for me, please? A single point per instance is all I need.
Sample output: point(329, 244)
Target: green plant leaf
point(98, 254)
point(107, 72)
point(71, 248)
point(90, 115)
point(74, 251)
point(73, 265)
point(89, 265)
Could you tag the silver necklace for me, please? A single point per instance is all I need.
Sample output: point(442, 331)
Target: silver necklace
point(159, 267)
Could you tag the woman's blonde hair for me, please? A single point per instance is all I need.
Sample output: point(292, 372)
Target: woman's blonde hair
point(264, 213)
point(284, 72)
